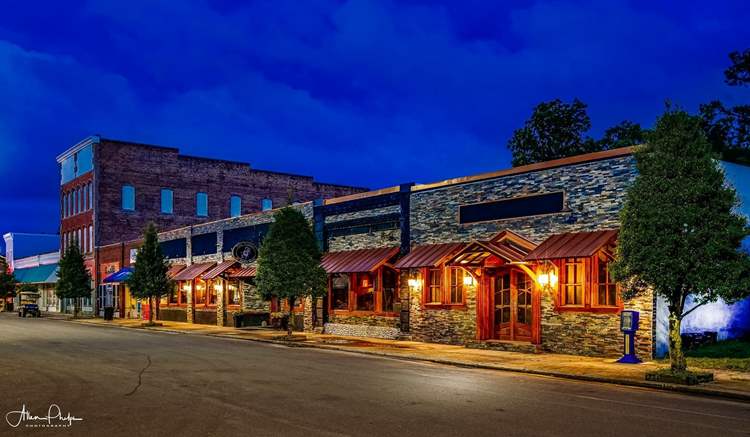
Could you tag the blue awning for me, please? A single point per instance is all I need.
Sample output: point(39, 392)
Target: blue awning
point(46, 274)
point(119, 276)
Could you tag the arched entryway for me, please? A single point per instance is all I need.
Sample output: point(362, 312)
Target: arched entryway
point(514, 305)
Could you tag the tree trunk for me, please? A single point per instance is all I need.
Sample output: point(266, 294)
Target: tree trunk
point(676, 356)
point(290, 320)
point(150, 311)
point(157, 307)
point(76, 307)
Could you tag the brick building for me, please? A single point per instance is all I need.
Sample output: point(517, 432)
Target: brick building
point(516, 259)
point(111, 189)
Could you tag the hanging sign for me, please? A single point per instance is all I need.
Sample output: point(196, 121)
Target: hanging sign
point(245, 252)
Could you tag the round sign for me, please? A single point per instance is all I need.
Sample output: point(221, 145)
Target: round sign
point(245, 252)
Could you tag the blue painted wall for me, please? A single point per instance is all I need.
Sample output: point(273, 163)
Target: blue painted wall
point(730, 321)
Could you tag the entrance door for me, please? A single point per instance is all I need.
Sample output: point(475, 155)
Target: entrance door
point(513, 303)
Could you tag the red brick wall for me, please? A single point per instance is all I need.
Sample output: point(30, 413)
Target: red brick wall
point(151, 168)
point(83, 219)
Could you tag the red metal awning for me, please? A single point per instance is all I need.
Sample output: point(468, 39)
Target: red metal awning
point(174, 269)
point(219, 269)
point(572, 244)
point(428, 255)
point(353, 261)
point(247, 272)
point(193, 271)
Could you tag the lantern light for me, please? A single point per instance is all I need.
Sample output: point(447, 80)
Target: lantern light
point(414, 283)
point(547, 277)
point(186, 287)
point(468, 280)
point(217, 286)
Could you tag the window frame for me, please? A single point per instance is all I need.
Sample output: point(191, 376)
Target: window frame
point(597, 262)
point(590, 288)
point(201, 195)
point(232, 198)
point(354, 287)
point(564, 284)
point(263, 206)
point(445, 289)
point(170, 192)
point(131, 194)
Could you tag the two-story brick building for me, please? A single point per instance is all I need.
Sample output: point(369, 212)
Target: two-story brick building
point(111, 189)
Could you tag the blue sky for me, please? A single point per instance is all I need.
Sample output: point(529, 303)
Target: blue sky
point(365, 92)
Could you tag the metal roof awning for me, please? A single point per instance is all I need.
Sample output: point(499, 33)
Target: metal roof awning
point(247, 272)
point(572, 244)
point(44, 274)
point(174, 269)
point(119, 276)
point(219, 269)
point(428, 255)
point(357, 261)
point(193, 271)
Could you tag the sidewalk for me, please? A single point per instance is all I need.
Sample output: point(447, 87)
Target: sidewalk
point(728, 384)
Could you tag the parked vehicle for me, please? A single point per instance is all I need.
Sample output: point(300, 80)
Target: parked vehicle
point(28, 304)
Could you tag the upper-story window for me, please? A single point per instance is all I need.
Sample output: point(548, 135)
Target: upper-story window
point(266, 204)
point(77, 164)
point(91, 195)
point(235, 206)
point(167, 201)
point(128, 198)
point(201, 205)
point(75, 201)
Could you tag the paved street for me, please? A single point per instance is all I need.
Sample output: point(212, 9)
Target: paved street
point(129, 382)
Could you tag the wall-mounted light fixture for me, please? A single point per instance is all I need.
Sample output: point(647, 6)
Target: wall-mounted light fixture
point(415, 283)
point(468, 280)
point(547, 276)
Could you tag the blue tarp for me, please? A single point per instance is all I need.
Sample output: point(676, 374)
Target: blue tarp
point(119, 276)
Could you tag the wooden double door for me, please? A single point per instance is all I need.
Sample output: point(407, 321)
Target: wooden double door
point(514, 305)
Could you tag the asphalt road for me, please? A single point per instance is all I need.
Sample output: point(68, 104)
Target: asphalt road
point(134, 383)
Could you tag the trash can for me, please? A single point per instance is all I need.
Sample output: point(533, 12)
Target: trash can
point(109, 313)
point(237, 320)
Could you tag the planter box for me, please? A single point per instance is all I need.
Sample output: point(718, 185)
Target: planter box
point(686, 378)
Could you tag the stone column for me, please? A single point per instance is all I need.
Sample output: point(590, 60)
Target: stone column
point(308, 309)
point(190, 318)
point(220, 300)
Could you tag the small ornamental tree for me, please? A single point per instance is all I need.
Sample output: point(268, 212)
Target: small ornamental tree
point(7, 281)
point(680, 233)
point(74, 279)
point(289, 261)
point(149, 279)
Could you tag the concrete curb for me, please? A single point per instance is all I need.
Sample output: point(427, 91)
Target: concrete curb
point(693, 390)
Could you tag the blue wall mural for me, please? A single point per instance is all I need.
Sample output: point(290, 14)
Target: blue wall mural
point(729, 321)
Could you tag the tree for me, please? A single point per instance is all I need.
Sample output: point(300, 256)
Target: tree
point(624, 134)
point(289, 261)
point(738, 74)
point(149, 279)
point(7, 281)
point(555, 130)
point(680, 234)
point(728, 130)
point(74, 279)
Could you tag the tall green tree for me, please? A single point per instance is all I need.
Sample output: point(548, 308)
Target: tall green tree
point(623, 134)
point(74, 279)
point(680, 233)
point(7, 281)
point(149, 279)
point(728, 130)
point(555, 130)
point(289, 261)
point(738, 74)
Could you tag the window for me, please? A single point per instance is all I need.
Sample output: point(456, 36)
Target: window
point(434, 286)
point(340, 291)
point(607, 288)
point(128, 198)
point(91, 237)
point(184, 288)
point(235, 206)
point(173, 295)
point(200, 292)
point(365, 292)
point(456, 286)
point(233, 293)
point(390, 296)
point(266, 204)
point(75, 201)
point(212, 292)
point(201, 205)
point(167, 199)
point(511, 208)
point(573, 282)
point(91, 195)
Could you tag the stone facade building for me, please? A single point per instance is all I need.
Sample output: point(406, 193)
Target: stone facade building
point(516, 259)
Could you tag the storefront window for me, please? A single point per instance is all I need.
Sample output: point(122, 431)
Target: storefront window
point(434, 286)
point(390, 296)
point(365, 292)
point(213, 291)
point(607, 290)
point(184, 287)
point(456, 286)
point(573, 282)
point(200, 292)
point(173, 295)
point(340, 292)
point(233, 293)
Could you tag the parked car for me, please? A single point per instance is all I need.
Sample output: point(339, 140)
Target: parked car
point(28, 304)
